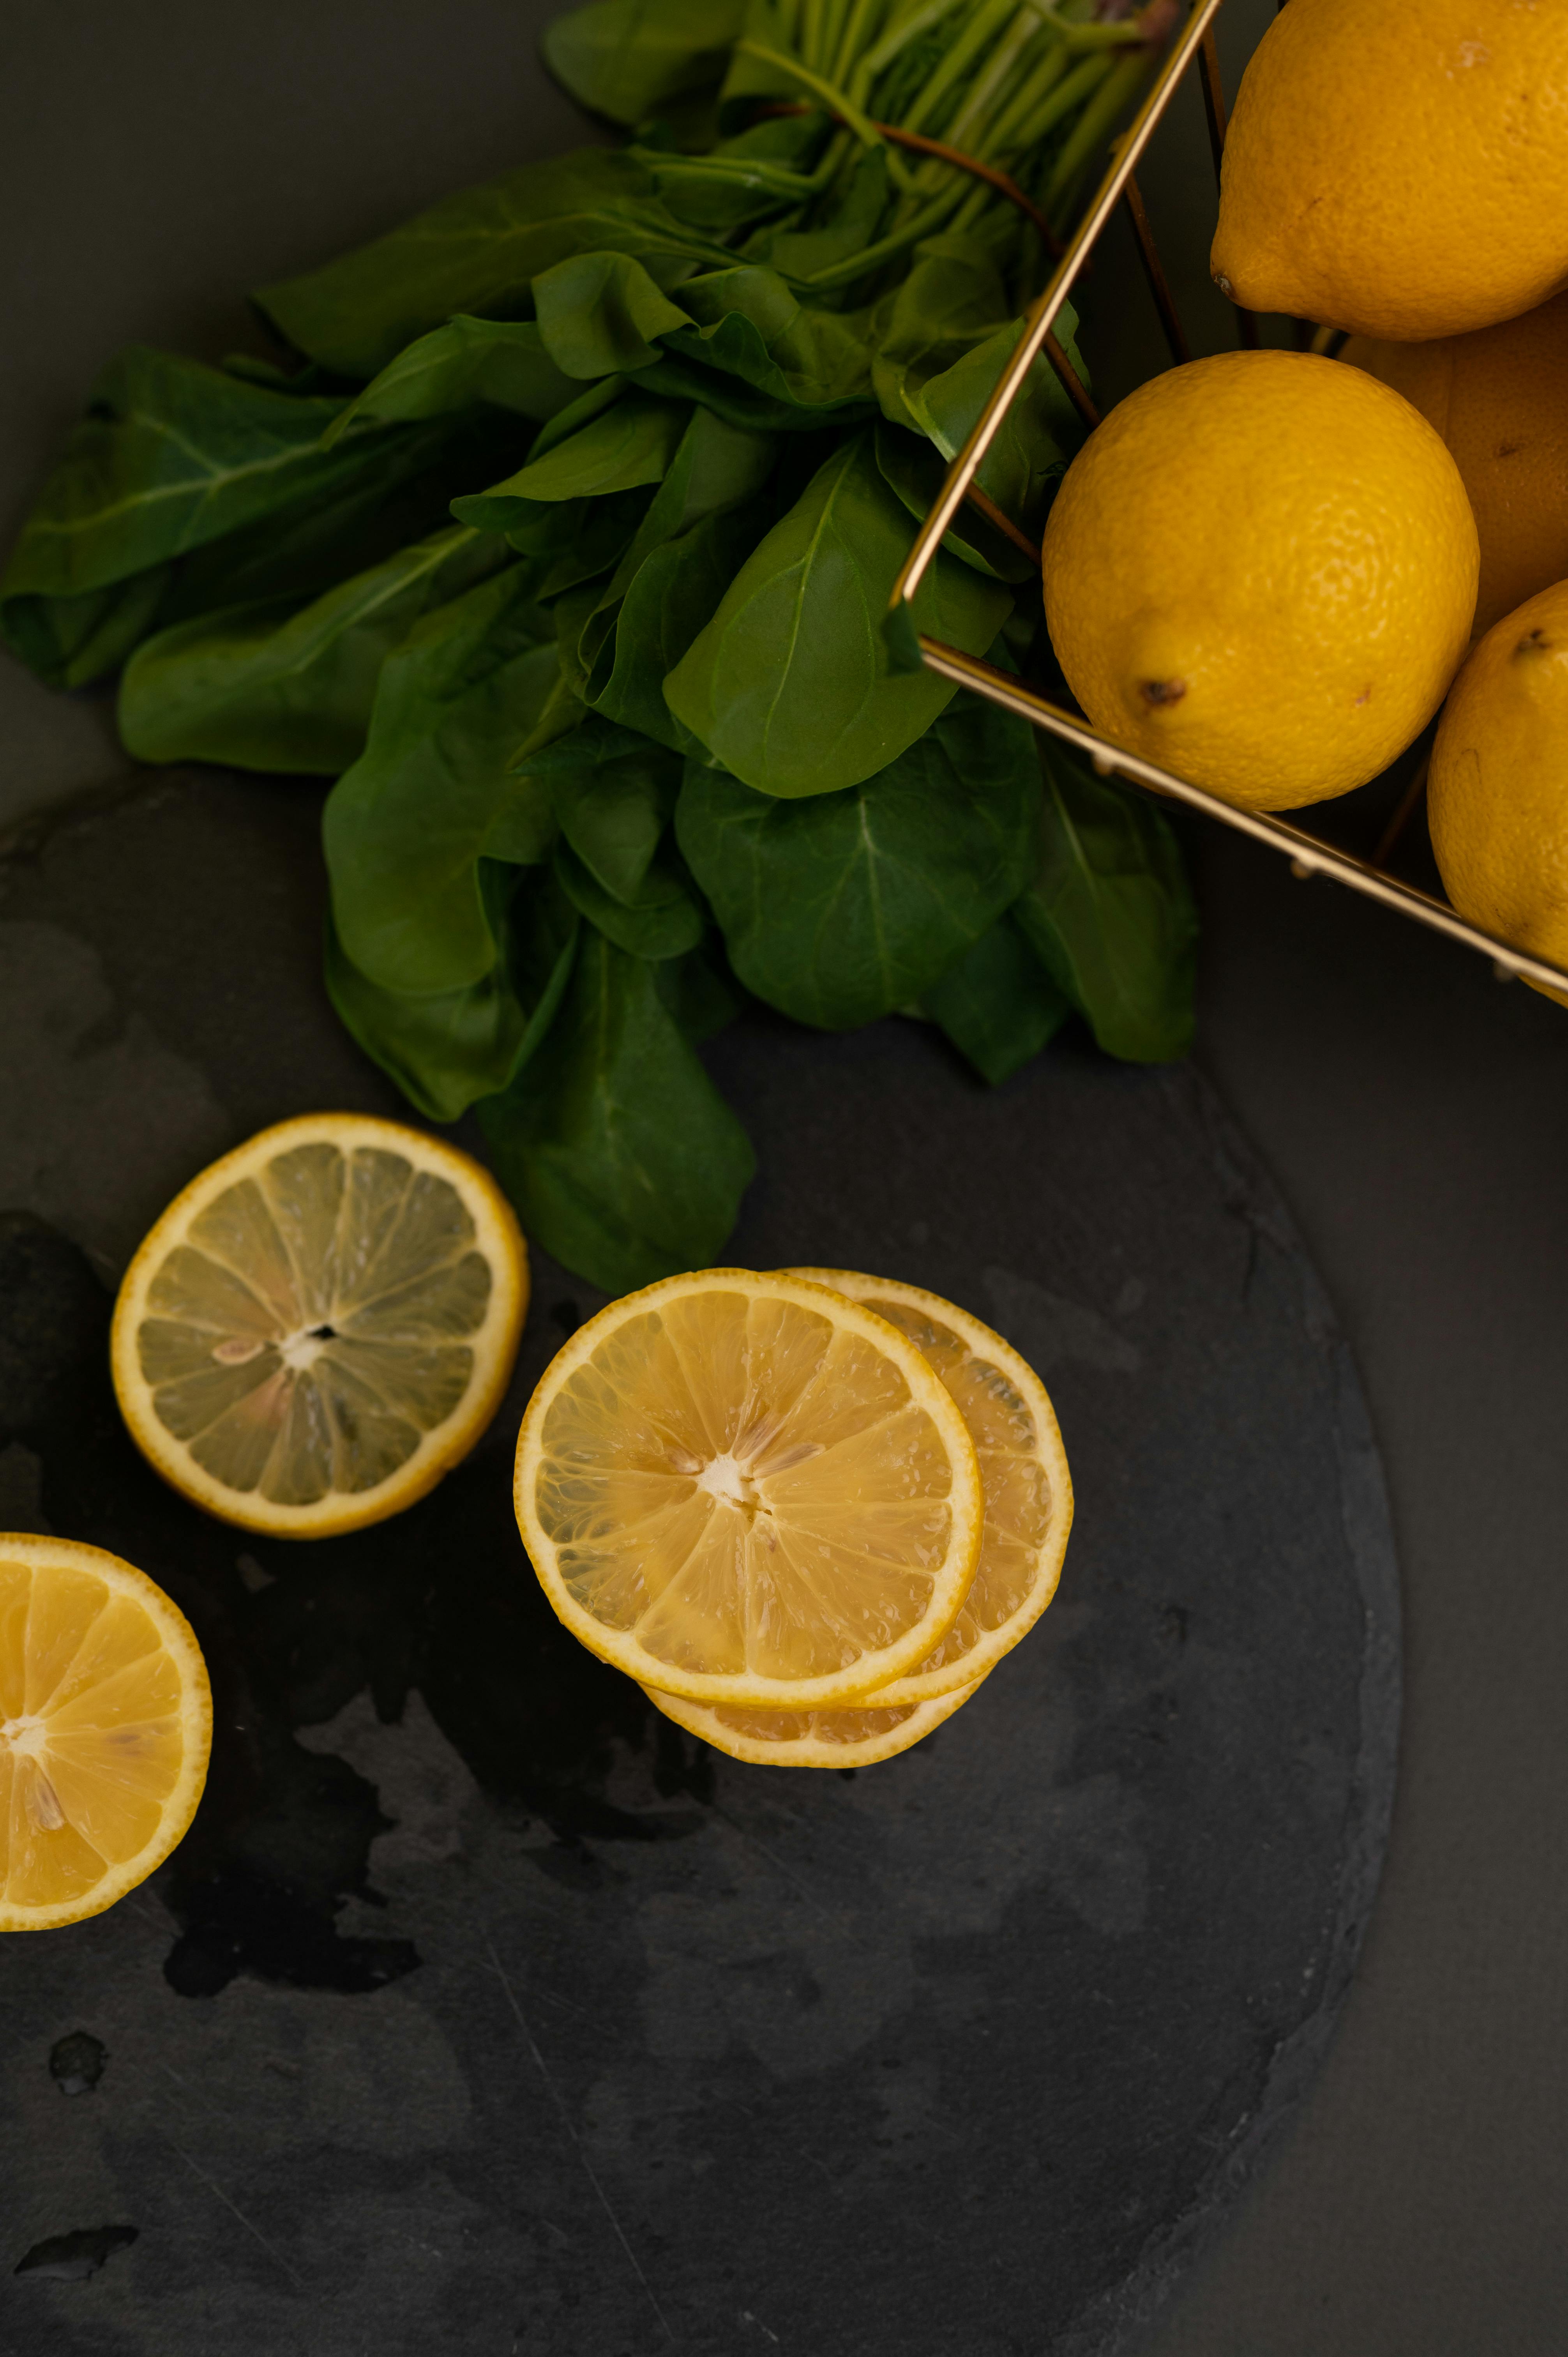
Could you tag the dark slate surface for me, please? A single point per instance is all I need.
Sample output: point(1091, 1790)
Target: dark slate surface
point(483, 2011)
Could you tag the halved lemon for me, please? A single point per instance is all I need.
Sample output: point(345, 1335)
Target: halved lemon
point(740, 1488)
point(321, 1325)
point(811, 1738)
point(1023, 1468)
point(106, 1725)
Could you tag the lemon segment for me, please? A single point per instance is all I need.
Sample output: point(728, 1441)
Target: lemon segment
point(1023, 1470)
point(811, 1738)
point(745, 1488)
point(321, 1324)
point(105, 1727)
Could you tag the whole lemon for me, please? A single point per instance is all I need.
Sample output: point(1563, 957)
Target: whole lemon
point(1497, 398)
point(1497, 792)
point(1400, 169)
point(1259, 572)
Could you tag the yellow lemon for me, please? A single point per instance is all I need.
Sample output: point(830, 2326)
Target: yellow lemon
point(813, 1739)
point(106, 1725)
point(1401, 169)
point(748, 1490)
point(1497, 792)
point(1259, 573)
point(1495, 397)
point(1023, 1470)
point(321, 1325)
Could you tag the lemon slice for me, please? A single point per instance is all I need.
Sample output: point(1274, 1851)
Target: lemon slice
point(1023, 1468)
point(321, 1325)
point(741, 1488)
point(106, 1725)
point(811, 1738)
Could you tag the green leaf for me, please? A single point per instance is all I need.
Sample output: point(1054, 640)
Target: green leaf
point(700, 989)
point(914, 472)
point(71, 641)
point(1037, 436)
point(170, 455)
point(614, 795)
point(622, 1161)
point(598, 314)
point(673, 594)
point(1111, 912)
point(751, 326)
point(662, 918)
point(478, 252)
point(404, 828)
point(448, 1048)
point(790, 684)
point(500, 361)
point(627, 58)
point(997, 1003)
point(268, 686)
point(627, 447)
point(842, 908)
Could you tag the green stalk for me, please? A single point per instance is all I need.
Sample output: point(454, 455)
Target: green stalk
point(971, 125)
point(1086, 35)
point(894, 43)
point(856, 32)
point(1005, 133)
point(986, 21)
point(871, 257)
point(1094, 125)
point(833, 100)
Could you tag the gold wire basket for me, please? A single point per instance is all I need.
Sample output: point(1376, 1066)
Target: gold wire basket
point(1309, 855)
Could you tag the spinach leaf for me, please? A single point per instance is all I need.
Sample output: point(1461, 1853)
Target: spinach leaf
point(717, 466)
point(788, 685)
point(842, 908)
point(71, 641)
point(614, 795)
point(404, 828)
point(628, 445)
point(501, 362)
point(1110, 911)
point(448, 1048)
point(674, 592)
point(913, 472)
point(1037, 436)
point(623, 1160)
point(997, 1003)
point(598, 313)
point(478, 252)
point(700, 989)
point(267, 685)
point(750, 325)
point(627, 58)
point(662, 918)
point(170, 455)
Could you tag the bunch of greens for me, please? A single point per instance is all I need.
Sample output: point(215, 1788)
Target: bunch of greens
point(566, 545)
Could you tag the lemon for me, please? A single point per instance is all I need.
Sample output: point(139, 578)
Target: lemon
point(1497, 790)
point(321, 1325)
point(811, 1738)
point(1023, 1471)
point(1495, 397)
point(106, 1725)
point(1259, 572)
point(1402, 169)
point(748, 1490)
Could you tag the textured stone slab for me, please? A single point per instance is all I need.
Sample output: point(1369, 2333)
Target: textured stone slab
point(482, 2011)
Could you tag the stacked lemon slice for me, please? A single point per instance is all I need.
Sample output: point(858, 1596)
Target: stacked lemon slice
point(808, 1511)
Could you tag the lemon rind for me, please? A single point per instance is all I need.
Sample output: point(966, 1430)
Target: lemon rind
point(700, 1719)
point(495, 1344)
point(845, 1686)
point(925, 1686)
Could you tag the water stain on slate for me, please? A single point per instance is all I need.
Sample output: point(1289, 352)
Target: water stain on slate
point(76, 2062)
point(284, 1833)
point(74, 2256)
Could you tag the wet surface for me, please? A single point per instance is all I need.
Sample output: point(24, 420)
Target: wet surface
point(484, 2010)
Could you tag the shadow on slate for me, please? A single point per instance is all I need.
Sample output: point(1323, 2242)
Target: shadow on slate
point(960, 2057)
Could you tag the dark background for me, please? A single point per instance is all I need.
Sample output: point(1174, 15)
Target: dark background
point(155, 161)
